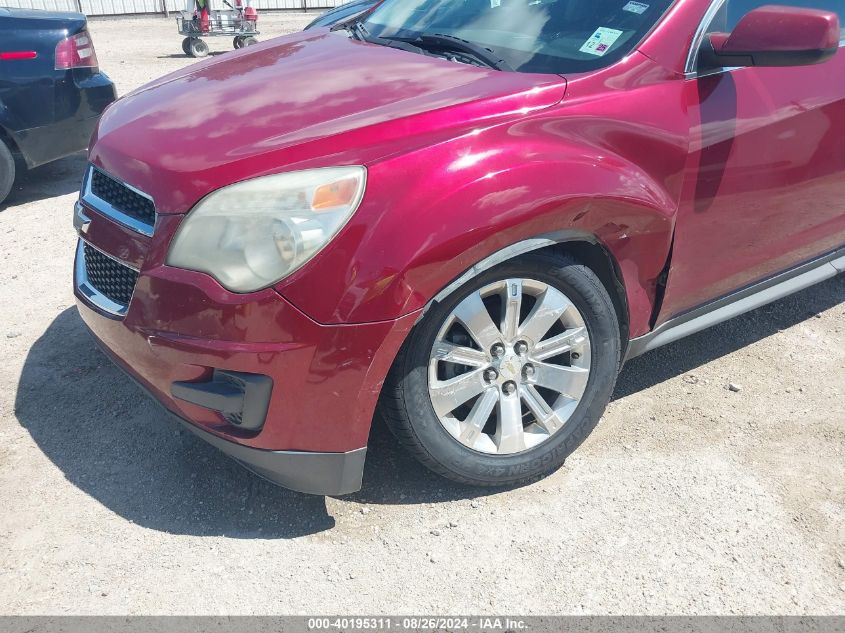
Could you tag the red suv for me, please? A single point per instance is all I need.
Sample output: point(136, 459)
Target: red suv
point(466, 215)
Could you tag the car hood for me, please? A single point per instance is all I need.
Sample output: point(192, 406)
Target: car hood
point(308, 99)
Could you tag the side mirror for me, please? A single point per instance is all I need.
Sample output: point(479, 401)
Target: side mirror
point(775, 36)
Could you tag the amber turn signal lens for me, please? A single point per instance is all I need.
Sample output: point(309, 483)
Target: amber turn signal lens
point(336, 194)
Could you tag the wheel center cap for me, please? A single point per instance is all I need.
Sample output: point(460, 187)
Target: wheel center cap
point(510, 367)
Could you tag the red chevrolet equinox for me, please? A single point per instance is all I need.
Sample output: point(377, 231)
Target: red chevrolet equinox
point(461, 214)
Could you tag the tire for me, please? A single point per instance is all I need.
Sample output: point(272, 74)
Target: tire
point(186, 46)
point(249, 41)
point(7, 171)
point(487, 454)
point(237, 42)
point(198, 48)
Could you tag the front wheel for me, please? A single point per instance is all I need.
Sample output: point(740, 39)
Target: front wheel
point(238, 42)
point(186, 46)
point(249, 41)
point(506, 377)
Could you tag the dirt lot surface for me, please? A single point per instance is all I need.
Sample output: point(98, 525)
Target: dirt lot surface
point(689, 498)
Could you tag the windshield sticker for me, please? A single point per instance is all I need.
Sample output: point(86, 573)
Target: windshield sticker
point(495, 3)
point(600, 41)
point(635, 7)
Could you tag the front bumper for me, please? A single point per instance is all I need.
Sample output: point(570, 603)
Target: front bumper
point(308, 472)
point(181, 327)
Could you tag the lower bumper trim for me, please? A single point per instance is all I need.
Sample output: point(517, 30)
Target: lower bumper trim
point(308, 472)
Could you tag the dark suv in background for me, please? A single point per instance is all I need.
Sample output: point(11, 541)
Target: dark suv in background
point(51, 89)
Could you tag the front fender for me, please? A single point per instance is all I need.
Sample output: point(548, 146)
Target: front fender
point(431, 215)
point(398, 254)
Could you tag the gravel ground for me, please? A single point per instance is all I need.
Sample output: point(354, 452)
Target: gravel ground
point(689, 498)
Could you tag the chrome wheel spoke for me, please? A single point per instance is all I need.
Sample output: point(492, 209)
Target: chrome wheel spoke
point(560, 344)
point(448, 395)
point(460, 355)
point(512, 305)
point(547, 418)
point(474, 424)
point(549, 308)
point(473, 315)
point(510, 436)
point(569, 381)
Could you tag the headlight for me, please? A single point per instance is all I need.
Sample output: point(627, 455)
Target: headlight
point(252, 234)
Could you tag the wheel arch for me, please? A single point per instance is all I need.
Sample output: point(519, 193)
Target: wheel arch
point(585, 247)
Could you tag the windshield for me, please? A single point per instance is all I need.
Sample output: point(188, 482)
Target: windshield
point(532, 36)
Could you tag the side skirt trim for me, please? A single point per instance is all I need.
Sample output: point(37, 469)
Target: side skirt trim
point(739, 302)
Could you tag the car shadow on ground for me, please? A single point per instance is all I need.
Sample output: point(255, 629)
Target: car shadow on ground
point(54, 179)
point(115, 444)
point(110, 440)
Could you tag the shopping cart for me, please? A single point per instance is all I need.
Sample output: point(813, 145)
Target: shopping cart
point(239, 22)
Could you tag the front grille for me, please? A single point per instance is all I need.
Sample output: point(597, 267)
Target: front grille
point(122, 197)
point(109, 277)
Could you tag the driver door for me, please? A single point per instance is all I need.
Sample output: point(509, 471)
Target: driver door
point(764, 185)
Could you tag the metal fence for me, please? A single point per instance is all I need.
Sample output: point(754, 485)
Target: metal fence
point(123, 7)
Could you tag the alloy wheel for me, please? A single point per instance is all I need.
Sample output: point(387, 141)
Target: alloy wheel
point(509, 366)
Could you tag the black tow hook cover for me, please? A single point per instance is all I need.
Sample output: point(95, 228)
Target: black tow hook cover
point(242, 398)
